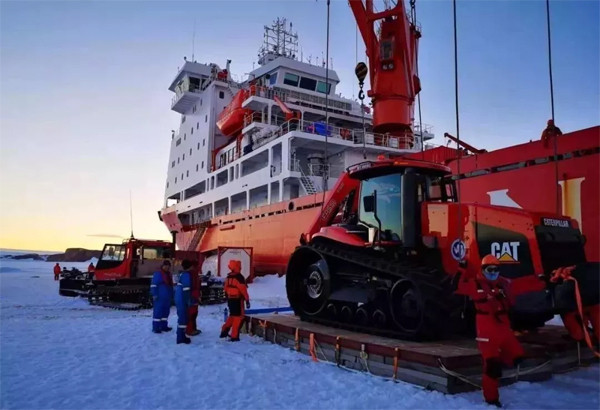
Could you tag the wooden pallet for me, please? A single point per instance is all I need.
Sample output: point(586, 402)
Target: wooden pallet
point(450, 366)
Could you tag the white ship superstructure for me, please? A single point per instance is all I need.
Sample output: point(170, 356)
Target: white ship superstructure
point(290, 136)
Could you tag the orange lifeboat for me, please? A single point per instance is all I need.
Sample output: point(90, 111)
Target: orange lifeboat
point(231, 119)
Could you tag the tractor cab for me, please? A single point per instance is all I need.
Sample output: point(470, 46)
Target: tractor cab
point(384, 206)
point(134, 258)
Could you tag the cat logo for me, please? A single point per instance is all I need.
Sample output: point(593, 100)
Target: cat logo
point(506, 252)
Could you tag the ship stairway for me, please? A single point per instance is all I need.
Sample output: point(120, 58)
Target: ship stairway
point(307, 183)
point(197, 237)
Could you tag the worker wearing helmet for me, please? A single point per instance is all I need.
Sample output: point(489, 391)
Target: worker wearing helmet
point(237, 295)
point(183, 301)
point(161, 289)
point(496, 340)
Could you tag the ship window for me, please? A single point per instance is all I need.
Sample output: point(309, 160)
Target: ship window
point(182, 176)
point(183, 157)
point(173, 164)
point(190, 152)
point(184, 137)
point(187, 173)
point(308, 83)
point(237, 171)
point(212, 182)
point(182, 119)
point(291, 79)
point(198, 146)
point(206, 118)
point(175, 179)
point(196, 167)
point(192, 131)
point(323, 87)
point(221, 94)
point(202, 164)
point(273, 79)
point(178, 160)
point(203, 142)
point(197, 125)
point(178, 142)
point(167, 184)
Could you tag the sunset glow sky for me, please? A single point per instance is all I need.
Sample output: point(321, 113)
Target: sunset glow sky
point(85, 110)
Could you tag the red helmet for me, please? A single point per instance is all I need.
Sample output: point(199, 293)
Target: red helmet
point(235, 266)
point(489, 260)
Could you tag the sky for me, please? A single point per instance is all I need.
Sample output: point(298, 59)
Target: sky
point(85, 114)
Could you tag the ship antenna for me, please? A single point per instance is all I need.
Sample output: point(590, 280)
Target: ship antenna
point(131, 213)
point(327, 89)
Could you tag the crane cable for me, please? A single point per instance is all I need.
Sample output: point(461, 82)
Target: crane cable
point(552, 105)
point(460, 228)
point(327, 89)
point(413, 11)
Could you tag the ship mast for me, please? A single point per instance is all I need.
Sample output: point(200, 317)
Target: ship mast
point(279, 41)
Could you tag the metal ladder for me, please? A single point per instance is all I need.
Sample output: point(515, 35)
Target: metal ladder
point(197, 236)
point(307, 183)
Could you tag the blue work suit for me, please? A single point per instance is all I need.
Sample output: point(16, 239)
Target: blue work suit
point(162, 295)
point(183, 302)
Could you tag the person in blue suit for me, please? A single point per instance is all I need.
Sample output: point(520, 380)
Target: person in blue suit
point(162, 295)
point(183, 301)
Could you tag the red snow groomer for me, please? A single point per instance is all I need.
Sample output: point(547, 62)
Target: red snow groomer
point(124, 272)
point(391, 236)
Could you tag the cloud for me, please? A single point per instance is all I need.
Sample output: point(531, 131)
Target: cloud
point(104, 235)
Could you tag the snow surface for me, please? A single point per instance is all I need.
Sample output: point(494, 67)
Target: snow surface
point(59, 352)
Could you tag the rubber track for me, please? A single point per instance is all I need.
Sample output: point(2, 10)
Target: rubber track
point(423, 275)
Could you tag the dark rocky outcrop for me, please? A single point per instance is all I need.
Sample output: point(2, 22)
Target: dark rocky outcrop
point(74, 255)
point(33, 256)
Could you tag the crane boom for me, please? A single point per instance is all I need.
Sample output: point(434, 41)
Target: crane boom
point(392, 64)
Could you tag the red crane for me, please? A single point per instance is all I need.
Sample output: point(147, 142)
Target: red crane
point(392, 52)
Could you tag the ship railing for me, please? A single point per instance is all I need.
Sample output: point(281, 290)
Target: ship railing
point(291, 97)
point(179, 91)
point(332, 170)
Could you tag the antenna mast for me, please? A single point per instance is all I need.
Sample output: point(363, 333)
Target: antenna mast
point(279, 41)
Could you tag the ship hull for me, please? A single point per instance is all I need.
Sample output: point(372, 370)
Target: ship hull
point(272, 231)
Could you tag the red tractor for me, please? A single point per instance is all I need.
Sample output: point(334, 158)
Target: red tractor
point(124, 272)
point(391, 236)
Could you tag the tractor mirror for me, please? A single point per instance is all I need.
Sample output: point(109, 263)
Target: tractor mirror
point(369, 203)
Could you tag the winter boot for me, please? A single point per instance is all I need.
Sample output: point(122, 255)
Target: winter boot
point(194, 333)
point(167, 329)
point(495, 403)
point(185, 340)
point(157, 331)
point(224, 334)
point(234, 339)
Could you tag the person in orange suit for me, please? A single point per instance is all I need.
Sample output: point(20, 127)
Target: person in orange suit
point(495, 339)
point(91, 268)
point(236, 291)
point(57, 271)
point(550, 131)
point(192, 327)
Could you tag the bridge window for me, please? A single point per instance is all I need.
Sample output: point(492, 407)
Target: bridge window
point(323, 87)
point(273, 79)
point(291, 79)
point(308, 83)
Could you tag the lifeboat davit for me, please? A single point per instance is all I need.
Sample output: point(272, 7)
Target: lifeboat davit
point(231, 119)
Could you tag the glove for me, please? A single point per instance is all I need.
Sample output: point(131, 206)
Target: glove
point(247, 304)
